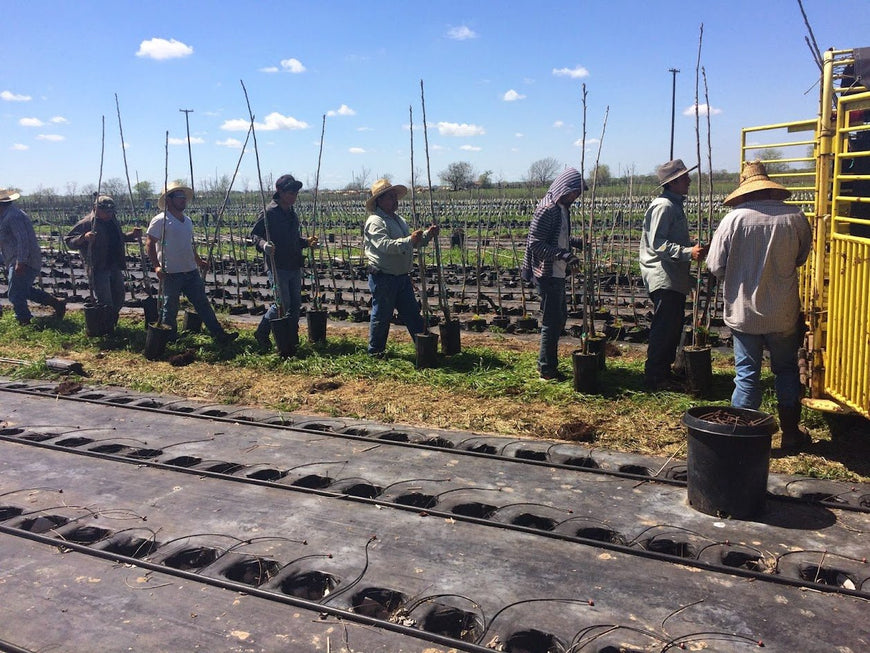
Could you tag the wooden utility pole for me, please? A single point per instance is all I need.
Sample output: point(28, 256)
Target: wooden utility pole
point(189, 152)
point(673, 72)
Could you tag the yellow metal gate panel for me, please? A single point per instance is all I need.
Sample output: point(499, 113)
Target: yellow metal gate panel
point(847, 360)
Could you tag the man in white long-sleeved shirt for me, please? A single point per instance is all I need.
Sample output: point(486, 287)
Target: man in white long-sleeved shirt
point(756, 252)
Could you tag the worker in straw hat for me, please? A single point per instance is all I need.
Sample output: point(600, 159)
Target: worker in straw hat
point(169, 241)
point(666, 255)
point(99, 238)
point(389, 246)
point(755, 252)
point(22, 257)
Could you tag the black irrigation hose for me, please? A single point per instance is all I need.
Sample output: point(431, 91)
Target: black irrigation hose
point(242, 588)
point(643, 553)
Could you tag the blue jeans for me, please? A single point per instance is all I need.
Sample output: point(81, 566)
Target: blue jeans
point(389, 293)
point(669, 310)
point(21, 289)
point(554, 314)
point(108, 287)
point(289, 291)
point(191, 284)
point(748, 356)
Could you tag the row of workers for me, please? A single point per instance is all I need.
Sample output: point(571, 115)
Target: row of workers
point(755, 252)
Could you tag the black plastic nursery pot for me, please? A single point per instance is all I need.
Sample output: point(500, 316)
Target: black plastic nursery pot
point(316, 325)
point(698, 367)
point(151, 310)
point(286, 337)
point(155, 340)
point(450, 338)
point(426, 345)
point(586, 370)
point(192, 322)
point(728, 460)
point(99, 319)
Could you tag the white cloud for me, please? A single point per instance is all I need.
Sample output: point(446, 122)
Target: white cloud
point(438, 148)
point(230, 142)
point(272, 122)
point(461, 33)
point(558, 124)
point(456, 129)
point(50, 137)
point(269, 69)
point(31, 122)
point(574, 73)
point(365, 129)
point(702, 110)
point(356, 150)
point(196, 140)
point(519, 135)
point(161, 49)
point(59, 120)
point(9, 96)
point(512, 96)
point(20, 147)
point(589, 141)
point(470, 148)
point(292, 65)
point(343, 110)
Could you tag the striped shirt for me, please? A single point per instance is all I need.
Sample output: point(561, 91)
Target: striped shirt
point(756, 251)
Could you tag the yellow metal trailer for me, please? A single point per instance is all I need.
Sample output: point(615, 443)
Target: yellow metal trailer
point(825, 162)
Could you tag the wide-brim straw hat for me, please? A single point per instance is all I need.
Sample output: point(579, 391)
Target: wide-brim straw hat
point(752, 178)
point(171, 188)
point(380, 187)
point(669, 171)
point(8, 195)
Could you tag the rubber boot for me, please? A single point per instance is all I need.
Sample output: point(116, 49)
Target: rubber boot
point(793, 436)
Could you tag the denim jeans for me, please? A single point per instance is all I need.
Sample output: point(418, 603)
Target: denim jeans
point(289, 291)
point(108, 287)
point(21, 289)
point(748, 356)
point(191, 284)
point(554, 314)
point(392, 292)
point(669, 310)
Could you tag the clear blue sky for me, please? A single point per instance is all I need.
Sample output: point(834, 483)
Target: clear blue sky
point(502, 83)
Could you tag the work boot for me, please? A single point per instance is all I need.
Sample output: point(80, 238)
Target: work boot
point(225, 337)
point(793, 436)
point(59, 306)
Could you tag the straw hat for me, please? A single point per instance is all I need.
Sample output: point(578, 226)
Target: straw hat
point(754, 177)
point(669, 171)
point(174, 186)
point(8, 195)
point(380, 187)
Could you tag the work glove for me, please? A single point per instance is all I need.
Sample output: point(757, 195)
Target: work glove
point(268, 248)
point(570, 259)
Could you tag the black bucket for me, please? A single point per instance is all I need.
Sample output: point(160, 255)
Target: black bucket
point(151, 310)
point(585, 371)
point(98, 319)
point(450, 338)
point(192, 322)
point(699, 370)
point(155, 340)
point(426, 345)
point(728, 460)
point(286, 337)
point(316, 325)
